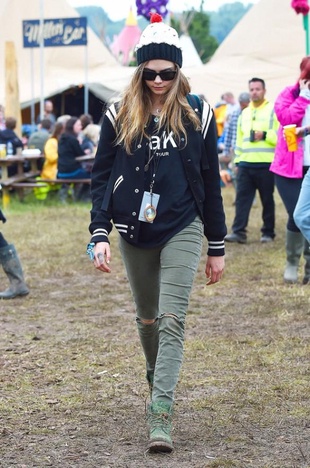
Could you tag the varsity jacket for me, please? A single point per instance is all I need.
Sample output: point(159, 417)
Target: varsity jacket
point(263, 119)
point(113, 167)
point(290, 107)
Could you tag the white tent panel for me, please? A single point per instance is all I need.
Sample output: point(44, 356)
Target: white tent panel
point(63, 66)
point(269, 43)
point(191, 57)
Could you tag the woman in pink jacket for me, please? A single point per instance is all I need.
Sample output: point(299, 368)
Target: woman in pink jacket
point(292, 106)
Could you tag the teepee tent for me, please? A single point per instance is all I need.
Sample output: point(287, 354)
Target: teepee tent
point(63, 67)
point(191, 57)
point(268, 43)
point(124, 44)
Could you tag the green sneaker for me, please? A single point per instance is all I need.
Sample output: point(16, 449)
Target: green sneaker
point(159, 420)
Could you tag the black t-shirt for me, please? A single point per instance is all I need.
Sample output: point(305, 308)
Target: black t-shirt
point(176, 207)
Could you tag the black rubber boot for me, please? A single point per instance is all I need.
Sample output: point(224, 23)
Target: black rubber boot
point(306, 278)
point(13, 269)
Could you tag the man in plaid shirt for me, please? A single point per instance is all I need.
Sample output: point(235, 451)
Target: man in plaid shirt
point(226, 158)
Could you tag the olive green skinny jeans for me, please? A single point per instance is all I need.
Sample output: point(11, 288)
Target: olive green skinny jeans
point(161, 281)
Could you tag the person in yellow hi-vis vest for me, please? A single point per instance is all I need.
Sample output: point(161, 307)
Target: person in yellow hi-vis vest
point(255, 146)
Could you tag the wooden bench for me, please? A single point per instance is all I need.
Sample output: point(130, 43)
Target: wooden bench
point(65, 181)
point(28, 184)
point(37, 183)
point(19, 178)
point(10, 182)
point(20, 182)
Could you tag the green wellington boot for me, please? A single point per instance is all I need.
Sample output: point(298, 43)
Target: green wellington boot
point(13, 269)
point(294, 246)
point(306, 278)
point(160, 423)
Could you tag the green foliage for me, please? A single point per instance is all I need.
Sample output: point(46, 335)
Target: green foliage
point(199, 30)
point(226, 18)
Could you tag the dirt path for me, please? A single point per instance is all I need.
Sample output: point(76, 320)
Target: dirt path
point(72, 383)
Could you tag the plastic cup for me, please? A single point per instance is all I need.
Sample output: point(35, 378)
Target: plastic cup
point(291, 137)
point(2, 151)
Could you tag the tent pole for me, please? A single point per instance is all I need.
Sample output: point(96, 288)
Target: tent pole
point(86, 81)
point(32, 89)
point(306, 28)
point(42, 59)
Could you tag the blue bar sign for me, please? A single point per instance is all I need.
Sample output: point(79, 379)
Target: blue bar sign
point(58, 32)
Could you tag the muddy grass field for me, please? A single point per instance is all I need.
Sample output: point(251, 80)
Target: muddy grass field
point(72, 386)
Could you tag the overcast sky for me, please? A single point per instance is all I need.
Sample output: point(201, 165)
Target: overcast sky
point(118, 9)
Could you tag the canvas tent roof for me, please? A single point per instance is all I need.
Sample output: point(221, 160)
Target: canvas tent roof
point(63, 66)
point(191, 57)
point(268, 42)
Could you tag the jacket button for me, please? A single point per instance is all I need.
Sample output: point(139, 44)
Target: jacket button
point(131, 236)
point(139, 146)
point(189, 160)
point(136, 190)
point(134, 213)
point(137, 168)
point(132, 228)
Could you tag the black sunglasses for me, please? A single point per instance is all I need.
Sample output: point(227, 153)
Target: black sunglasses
point(150, 75)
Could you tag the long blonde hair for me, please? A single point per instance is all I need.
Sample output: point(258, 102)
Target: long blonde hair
point(136, 107)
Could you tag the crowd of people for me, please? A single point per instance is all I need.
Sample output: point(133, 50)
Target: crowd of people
point(161, 154)
point(60, 140)
point(254, 155)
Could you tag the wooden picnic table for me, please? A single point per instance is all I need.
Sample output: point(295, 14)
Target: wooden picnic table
point(23, 180)
point(21, 176)
point(86, 157)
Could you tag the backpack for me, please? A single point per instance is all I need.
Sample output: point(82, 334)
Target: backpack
point(195, 102)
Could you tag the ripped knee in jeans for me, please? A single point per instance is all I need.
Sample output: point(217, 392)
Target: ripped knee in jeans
point(146, 321)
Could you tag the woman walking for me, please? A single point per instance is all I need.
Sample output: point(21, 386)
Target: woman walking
point(156, 175)
point(292, 106)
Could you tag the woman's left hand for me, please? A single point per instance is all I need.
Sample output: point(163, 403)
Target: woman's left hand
point(214, 269)
point(300, 131)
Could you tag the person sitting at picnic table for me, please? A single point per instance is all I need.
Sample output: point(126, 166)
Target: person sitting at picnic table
point(8, 136)
point(90, 137)
point(69, 148)
point(49, 170)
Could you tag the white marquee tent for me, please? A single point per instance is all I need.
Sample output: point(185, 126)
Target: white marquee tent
point(268, 42)
point(64, 67)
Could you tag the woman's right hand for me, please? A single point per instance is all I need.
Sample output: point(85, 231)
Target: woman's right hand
point(102, 256)
point(304, 84)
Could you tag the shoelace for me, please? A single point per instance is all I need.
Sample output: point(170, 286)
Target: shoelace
point(160, 420)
